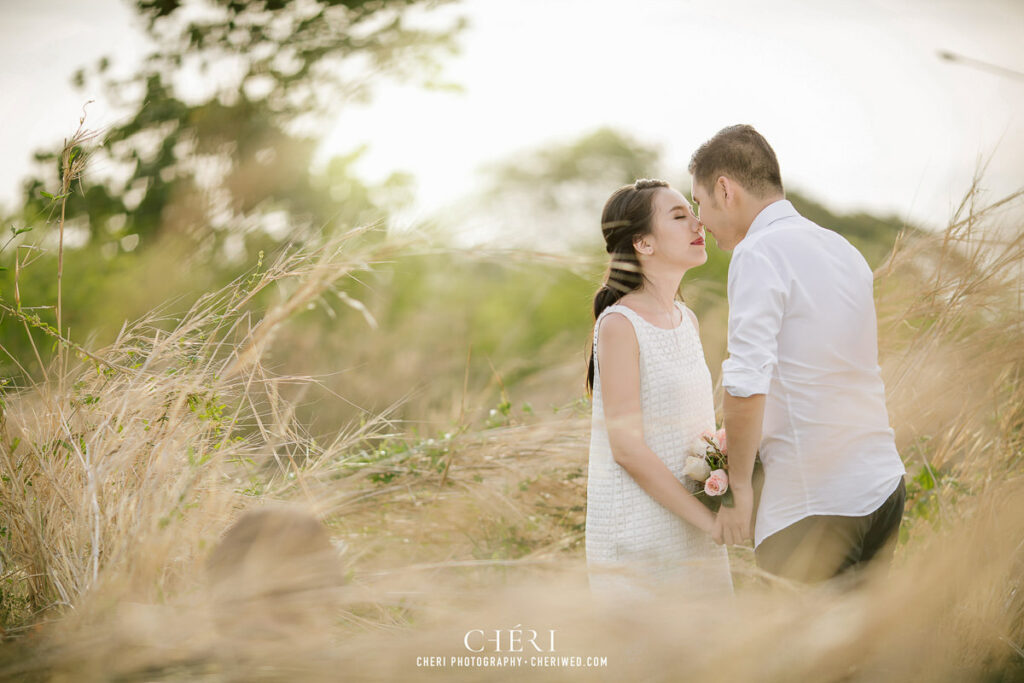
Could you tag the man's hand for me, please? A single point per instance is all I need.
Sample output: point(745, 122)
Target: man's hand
point(743, 419)
point(732, 525)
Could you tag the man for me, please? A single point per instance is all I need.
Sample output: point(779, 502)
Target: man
point(802, 381)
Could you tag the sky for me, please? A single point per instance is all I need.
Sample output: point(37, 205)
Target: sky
point(861, 111)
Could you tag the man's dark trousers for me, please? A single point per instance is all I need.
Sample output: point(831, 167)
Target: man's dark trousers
point(820, 547)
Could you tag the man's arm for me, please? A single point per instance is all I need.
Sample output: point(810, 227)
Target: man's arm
point(743, 417)
point(757, 302)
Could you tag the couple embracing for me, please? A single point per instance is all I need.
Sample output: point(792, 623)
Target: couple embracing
point(802, 390)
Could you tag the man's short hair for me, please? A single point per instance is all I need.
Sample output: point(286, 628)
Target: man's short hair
point(742, 154)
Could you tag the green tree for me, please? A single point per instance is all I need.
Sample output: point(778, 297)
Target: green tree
point(213, 161)
point(550, 198)
point(269, 75)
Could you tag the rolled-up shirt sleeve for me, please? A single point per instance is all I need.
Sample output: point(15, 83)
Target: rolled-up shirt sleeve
point(757, 299)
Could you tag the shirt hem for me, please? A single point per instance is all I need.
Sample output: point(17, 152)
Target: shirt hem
point(821, 512)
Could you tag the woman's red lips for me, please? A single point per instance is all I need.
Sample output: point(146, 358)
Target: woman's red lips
point(698, 241)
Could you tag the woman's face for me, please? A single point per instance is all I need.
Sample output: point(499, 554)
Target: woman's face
point(677, 237)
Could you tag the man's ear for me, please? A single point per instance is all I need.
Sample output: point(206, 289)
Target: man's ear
point(726, 187)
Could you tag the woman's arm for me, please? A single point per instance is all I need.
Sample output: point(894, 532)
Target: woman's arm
point(618, 363)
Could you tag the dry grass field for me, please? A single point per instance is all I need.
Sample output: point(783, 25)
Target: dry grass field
point(352, 557)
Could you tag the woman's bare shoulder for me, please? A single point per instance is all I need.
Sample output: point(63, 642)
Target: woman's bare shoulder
point(615, 328)
point(614, 320)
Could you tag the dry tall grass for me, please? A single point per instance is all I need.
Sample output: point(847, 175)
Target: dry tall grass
point(118, 490)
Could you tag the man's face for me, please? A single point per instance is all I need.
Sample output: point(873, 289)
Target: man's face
point(713, 213)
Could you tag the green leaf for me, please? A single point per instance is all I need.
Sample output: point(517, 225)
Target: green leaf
point(926, 478)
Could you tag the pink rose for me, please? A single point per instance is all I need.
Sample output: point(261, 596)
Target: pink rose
point(720, 437)
point(717, 483)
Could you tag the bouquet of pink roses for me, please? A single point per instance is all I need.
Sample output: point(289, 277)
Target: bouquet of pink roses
point(709, 465)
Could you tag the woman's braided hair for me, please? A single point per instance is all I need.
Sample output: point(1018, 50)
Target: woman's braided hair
point(626, 216)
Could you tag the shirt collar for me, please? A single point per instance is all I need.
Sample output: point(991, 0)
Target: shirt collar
point(771, 213)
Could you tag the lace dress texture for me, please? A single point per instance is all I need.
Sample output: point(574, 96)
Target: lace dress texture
point(634, 545)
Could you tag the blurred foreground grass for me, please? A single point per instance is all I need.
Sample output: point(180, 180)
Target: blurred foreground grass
point(122, 471)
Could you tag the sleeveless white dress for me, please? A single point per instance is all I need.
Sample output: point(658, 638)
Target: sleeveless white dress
point(634, 544)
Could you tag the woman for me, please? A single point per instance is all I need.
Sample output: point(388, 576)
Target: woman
point(652, 398)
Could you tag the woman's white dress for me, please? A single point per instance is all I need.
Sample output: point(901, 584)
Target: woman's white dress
point(633, 543)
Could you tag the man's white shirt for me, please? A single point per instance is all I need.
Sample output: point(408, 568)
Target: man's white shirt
point(802, 331)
